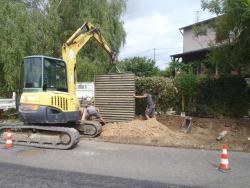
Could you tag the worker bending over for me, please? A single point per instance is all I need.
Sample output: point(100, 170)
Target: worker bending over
point(91, 111)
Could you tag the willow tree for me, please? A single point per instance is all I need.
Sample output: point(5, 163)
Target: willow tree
point(30, 27)
point(105, 15)
point(18, 38)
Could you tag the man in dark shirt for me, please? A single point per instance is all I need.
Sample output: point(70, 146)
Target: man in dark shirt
point(150, 110)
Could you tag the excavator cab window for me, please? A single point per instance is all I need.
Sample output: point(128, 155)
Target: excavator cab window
point(44, 73)
point(32, 72)
point(55, 75)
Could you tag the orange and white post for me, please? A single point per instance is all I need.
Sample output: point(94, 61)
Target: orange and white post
point(9, 144)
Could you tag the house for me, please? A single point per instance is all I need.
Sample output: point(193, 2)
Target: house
point(196, 47)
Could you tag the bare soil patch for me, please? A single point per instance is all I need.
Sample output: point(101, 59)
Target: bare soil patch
point(166, 131)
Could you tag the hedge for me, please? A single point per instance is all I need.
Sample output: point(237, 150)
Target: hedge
point(162, 90)
point(226, 96)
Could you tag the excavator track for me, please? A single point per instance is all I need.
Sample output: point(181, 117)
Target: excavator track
point(89, 129)
point(41, 136)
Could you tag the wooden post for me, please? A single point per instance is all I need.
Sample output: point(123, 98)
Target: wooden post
point(182, 103)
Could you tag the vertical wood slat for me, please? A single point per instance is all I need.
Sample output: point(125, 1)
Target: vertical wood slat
point(114, 96)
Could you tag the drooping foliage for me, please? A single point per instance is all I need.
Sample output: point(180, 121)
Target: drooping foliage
point(104, 15)
point(31, 27)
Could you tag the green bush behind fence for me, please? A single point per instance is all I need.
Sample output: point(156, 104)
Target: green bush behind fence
point(226, 96)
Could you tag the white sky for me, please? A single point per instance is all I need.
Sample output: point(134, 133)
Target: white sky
point(155, 24)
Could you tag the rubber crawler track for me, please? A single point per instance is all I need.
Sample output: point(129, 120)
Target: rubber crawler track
point(94, 124)
point(71, 132)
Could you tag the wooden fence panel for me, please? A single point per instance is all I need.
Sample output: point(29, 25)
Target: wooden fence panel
point(114, 96)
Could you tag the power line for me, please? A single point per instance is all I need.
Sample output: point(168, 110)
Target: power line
point(173, 48)
point(141, 52)
point(152, 49)
point(162, 58)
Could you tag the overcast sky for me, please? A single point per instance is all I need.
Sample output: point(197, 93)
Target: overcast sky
point(155, 24)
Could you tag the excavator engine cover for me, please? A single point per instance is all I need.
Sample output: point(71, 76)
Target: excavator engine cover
point(48, 115)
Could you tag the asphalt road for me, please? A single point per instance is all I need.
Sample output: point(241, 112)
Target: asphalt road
point(13, 176)
point(97, 164)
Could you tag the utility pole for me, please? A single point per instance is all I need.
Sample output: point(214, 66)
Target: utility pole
point(154, 54)
point(197, 16)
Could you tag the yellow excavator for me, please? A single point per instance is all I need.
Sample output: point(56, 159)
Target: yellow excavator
point(49, 109)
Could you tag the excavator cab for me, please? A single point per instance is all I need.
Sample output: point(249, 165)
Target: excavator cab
point(42, 73)
point(45, 98)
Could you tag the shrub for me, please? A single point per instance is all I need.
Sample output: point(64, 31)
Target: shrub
point(162, 90)
point(226, 96)
point(186, 84)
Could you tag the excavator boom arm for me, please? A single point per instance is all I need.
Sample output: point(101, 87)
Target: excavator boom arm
point(75, 43)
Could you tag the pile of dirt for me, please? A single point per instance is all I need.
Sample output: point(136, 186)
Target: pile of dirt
point(137, 128)
point(148, 132)
point(166, 131)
